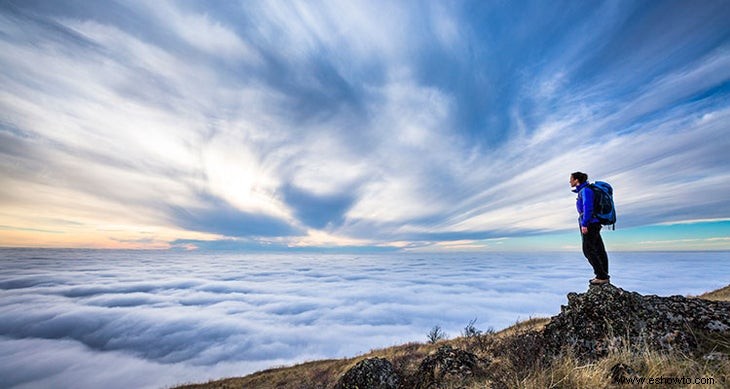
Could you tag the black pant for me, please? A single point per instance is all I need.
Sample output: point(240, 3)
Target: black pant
point(595, 251)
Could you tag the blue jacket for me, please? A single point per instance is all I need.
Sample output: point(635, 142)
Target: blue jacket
point(584, 204)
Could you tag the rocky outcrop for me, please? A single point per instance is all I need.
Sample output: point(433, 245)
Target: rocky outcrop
point(607, 318)
point(593, 324)
point(371, 373)
point(448, 364)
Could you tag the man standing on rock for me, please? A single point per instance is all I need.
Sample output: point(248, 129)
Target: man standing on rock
point(590, 229)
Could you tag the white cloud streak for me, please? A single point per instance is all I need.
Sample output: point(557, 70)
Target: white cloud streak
point(135, 125)
point(200, 31)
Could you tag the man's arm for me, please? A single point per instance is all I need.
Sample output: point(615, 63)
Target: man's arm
point(587, 207)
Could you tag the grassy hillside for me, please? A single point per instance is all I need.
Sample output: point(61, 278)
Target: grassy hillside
point(722, 294)
point(325, 373)
point(513, 363)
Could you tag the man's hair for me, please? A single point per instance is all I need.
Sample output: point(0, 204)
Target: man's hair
point(581, 177)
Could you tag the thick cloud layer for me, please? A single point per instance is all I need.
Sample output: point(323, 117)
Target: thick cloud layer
point(149, 319)
point(354, 124)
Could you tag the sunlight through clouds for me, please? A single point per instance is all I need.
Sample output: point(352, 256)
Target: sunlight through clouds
point(383, 124)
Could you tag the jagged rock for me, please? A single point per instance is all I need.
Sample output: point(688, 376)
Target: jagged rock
point(607, 318)
point(371, 373)
point(447, 364)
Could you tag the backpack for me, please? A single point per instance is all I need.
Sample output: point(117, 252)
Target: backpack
point(603, 208)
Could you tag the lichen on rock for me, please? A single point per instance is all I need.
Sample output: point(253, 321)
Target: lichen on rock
point(371, 373)
point(607, 318)
point(447, 364)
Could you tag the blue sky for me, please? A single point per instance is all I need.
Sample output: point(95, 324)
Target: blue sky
point(361, 125)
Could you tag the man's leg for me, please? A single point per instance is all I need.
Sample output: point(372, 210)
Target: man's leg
point(594, 251)
point(602, 255)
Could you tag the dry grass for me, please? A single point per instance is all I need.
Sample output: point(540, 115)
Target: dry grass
point(722, 294)
point(531, 324)
point(513, 365)
point(568, 372)
point(323, 374)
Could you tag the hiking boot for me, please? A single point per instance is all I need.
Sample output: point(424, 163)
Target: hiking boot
point(599, 281)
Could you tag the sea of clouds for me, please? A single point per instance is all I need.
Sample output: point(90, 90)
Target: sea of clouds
point(147, 319)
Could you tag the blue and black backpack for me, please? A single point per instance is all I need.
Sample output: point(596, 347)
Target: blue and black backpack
point(603, 208)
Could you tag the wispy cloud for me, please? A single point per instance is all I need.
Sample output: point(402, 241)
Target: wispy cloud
point(381, 123)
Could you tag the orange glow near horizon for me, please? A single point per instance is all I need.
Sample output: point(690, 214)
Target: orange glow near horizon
point(147, 238)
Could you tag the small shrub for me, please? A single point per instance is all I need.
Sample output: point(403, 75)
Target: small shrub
point(470, 331)
point(435, 334)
